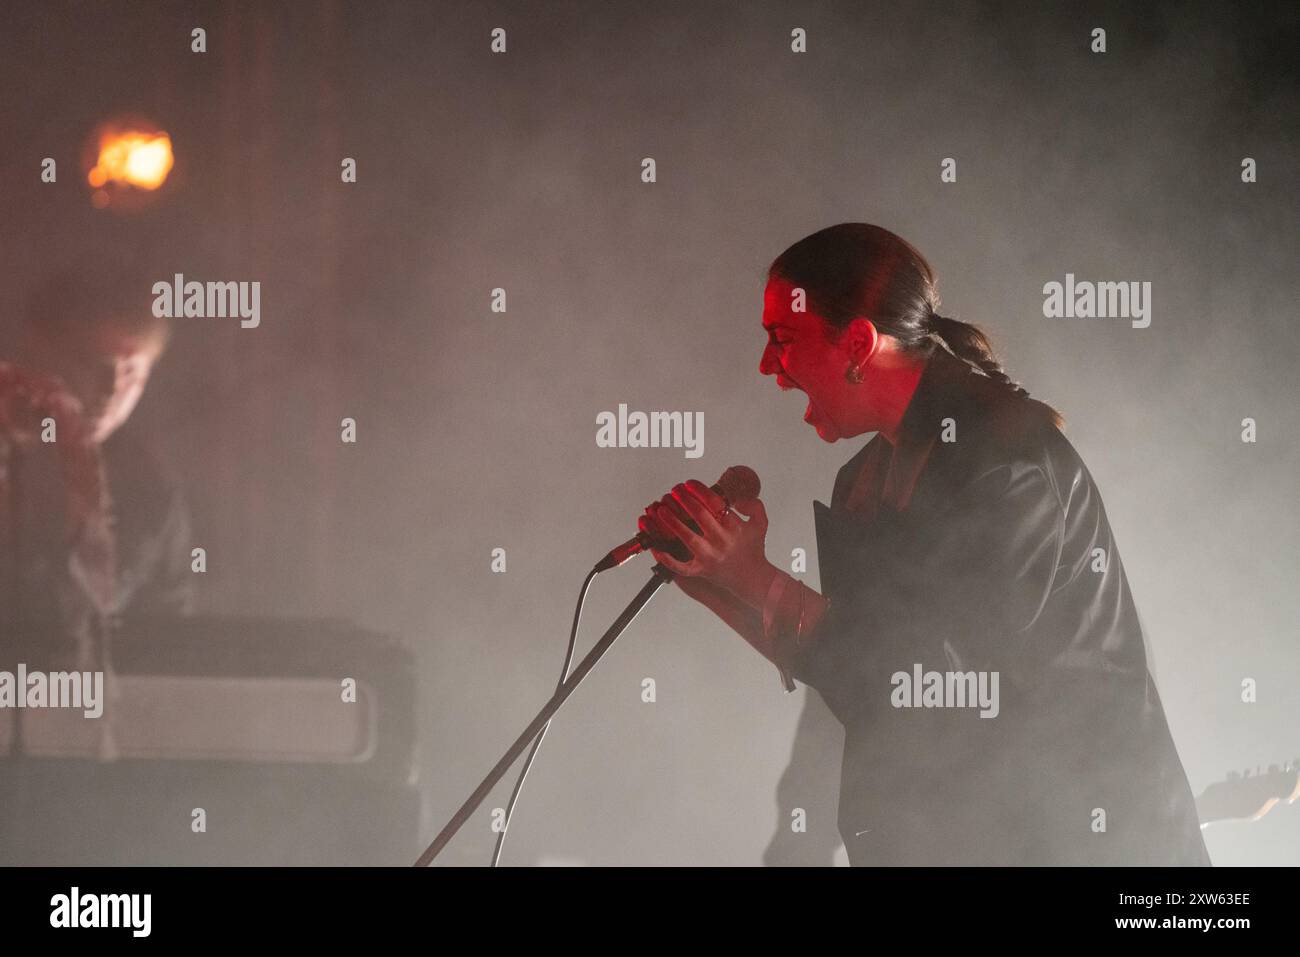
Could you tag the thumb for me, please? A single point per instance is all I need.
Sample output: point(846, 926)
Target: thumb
point(753, 510)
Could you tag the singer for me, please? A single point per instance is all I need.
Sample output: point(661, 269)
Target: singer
point(966, 538)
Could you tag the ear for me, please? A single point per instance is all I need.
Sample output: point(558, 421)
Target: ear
point(861, 340)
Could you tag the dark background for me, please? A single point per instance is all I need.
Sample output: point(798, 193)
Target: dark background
point(477, 430)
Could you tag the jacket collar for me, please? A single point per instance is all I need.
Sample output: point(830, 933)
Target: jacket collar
point(944, 383)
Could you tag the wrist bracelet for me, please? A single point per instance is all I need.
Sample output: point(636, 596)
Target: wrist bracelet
point(775, 592)
point(787, 681)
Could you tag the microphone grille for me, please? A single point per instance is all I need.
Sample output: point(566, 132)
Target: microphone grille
point(739, 483)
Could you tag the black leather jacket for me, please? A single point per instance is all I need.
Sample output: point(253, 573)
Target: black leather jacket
point(1002, 562)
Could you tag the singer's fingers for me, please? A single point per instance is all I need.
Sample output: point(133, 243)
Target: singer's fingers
point(705, 494)
point(653, 522)
point(670, 502)
point(693, 542)
point(705, 517)
point(714, 502)
point(653, 526)
point(646, 523)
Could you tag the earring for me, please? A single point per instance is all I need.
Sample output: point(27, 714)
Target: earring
point(853, 374)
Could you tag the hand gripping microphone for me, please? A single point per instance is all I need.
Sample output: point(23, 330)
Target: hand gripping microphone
point(738, 484)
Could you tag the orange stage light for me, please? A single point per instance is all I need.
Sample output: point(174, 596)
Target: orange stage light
point(133, 158)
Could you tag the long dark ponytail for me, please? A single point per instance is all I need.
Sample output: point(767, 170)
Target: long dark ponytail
point(857, 269)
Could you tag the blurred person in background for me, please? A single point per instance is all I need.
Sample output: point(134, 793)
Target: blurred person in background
point(92, 526)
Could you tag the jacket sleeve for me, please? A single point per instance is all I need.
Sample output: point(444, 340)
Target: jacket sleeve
point(956, 589)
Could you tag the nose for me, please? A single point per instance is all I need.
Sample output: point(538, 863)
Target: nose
point(768, 365)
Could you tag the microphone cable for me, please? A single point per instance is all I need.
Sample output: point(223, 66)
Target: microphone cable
point(537, 742)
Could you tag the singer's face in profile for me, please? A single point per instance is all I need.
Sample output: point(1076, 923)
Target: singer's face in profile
point(803, 353)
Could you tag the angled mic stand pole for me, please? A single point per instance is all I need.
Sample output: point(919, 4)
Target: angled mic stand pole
point(659, 576)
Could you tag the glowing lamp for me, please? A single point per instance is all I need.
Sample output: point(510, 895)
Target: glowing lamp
point(126, 159)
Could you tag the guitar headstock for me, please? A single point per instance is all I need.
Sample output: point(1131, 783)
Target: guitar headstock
point(1247, 796)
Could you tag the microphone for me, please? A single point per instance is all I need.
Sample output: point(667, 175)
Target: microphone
point(737, 484)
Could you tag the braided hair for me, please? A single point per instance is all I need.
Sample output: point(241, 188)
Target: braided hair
point(857, 269)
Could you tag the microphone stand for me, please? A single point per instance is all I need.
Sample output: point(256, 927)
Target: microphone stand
point(659, 577)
